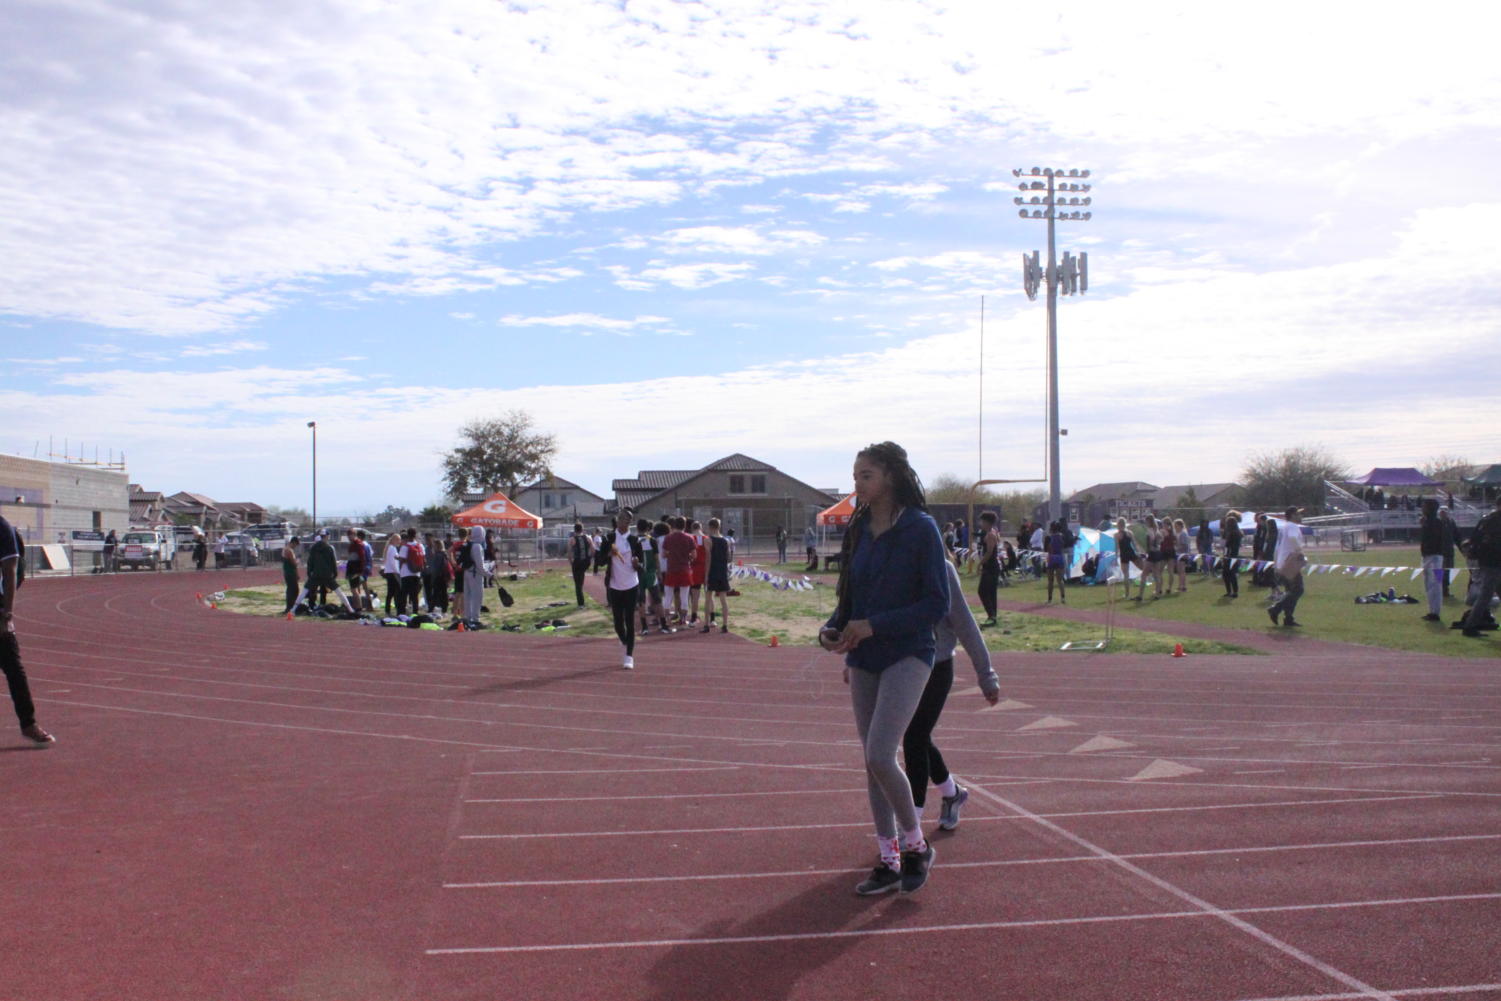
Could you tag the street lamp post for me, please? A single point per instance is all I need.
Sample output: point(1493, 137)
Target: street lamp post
point(314, 426)
point(1053, 193)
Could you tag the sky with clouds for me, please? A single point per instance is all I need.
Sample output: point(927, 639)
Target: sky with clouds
point(672, 230)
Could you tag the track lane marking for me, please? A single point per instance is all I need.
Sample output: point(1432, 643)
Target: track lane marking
point(1231, 918)
point(1198, 914)
point(996, 863)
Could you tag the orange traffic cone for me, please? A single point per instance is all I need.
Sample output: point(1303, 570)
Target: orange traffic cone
point(214, 605)
point(461, 627)
point(289, 616)
point(775, 641)
point(1178, 650)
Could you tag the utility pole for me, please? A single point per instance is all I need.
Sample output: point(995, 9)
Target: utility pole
point(314, 426)
point(1052, 193)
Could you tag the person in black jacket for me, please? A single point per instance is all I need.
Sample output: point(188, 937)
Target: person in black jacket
point(1230, 529)
point(10, 648)
point(1431, 547)
point(580, 550)
point(1485, 549)
point(1446, 544)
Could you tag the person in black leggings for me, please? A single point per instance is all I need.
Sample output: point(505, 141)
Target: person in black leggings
point(1230, 529)
point(621, 553)
point(921, 758)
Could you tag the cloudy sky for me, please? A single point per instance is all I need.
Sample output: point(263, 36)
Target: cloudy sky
point(671, 231)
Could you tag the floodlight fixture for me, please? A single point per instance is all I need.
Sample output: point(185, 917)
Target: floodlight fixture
point(1069, 278)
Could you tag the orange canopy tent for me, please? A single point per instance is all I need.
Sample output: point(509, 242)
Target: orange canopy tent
point(497, 511)
point(839, 514)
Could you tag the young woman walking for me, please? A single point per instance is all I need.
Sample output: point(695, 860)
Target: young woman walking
point(923, 762)
point(893, 589)
point(622, 553)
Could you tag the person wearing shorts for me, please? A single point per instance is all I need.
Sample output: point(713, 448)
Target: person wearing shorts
point(1125, 549)
point(354, 567)
point(1057, 561)
point(717, 578)
point(677, 551)
point(699, 571)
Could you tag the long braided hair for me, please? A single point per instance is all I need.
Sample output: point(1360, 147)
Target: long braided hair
point(907, 491)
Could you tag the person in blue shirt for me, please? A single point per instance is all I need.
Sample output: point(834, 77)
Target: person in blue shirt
point(893, 590)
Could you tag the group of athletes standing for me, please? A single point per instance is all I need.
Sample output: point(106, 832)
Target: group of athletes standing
point(656, 571)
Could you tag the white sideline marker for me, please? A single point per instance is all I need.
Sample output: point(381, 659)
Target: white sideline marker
point(1163, 769)
point(1048, 723)
point(1004, 705)
point(1101, 743)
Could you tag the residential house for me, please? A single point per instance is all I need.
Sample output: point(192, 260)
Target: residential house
point(1134, 499)
point(561, 502)
point(751, 496)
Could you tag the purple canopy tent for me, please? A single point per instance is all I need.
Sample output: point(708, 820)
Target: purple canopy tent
point(1400, 476)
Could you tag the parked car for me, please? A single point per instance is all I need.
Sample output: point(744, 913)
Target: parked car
point(239, 550)
point(273, 535)
point(148, 548)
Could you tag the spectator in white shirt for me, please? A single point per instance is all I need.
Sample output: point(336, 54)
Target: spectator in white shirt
point(1289, 562)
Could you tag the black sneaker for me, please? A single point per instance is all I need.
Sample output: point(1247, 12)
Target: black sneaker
point(1272, 612)
point(1290, 622)
point(915, 866)
point(1430, 618)
point(37, 734)
point(882, 879)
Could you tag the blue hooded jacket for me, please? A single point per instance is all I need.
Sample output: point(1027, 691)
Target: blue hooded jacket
point(899, 583)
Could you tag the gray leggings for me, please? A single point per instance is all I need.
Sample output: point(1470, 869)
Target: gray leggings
point(474, 593)
point(884, 704)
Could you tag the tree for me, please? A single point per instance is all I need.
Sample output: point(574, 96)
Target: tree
point(435, 514)
point(1447, 469)
point(1014, 506)
point(1291, 477)
point(294, 515)
point(393, 516)
point(498, 453)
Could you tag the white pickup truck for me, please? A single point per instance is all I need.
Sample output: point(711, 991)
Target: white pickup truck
point(149, 549)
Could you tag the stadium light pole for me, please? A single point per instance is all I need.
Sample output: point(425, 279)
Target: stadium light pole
point(1053, 193)
point(314, 426)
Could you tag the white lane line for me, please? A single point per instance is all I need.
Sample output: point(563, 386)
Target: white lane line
point(605, 771)
point(667, 943)
point(1262, 771)
point(690, 795)
point(997, 863)
point(975, 820)
point(1231, 918)
point(1406, 992)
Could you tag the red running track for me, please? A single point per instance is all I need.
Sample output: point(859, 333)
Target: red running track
point(246, 808)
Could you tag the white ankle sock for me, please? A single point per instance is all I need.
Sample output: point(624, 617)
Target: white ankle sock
point(949, 788)
point(913, 839)
point(891, 852)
